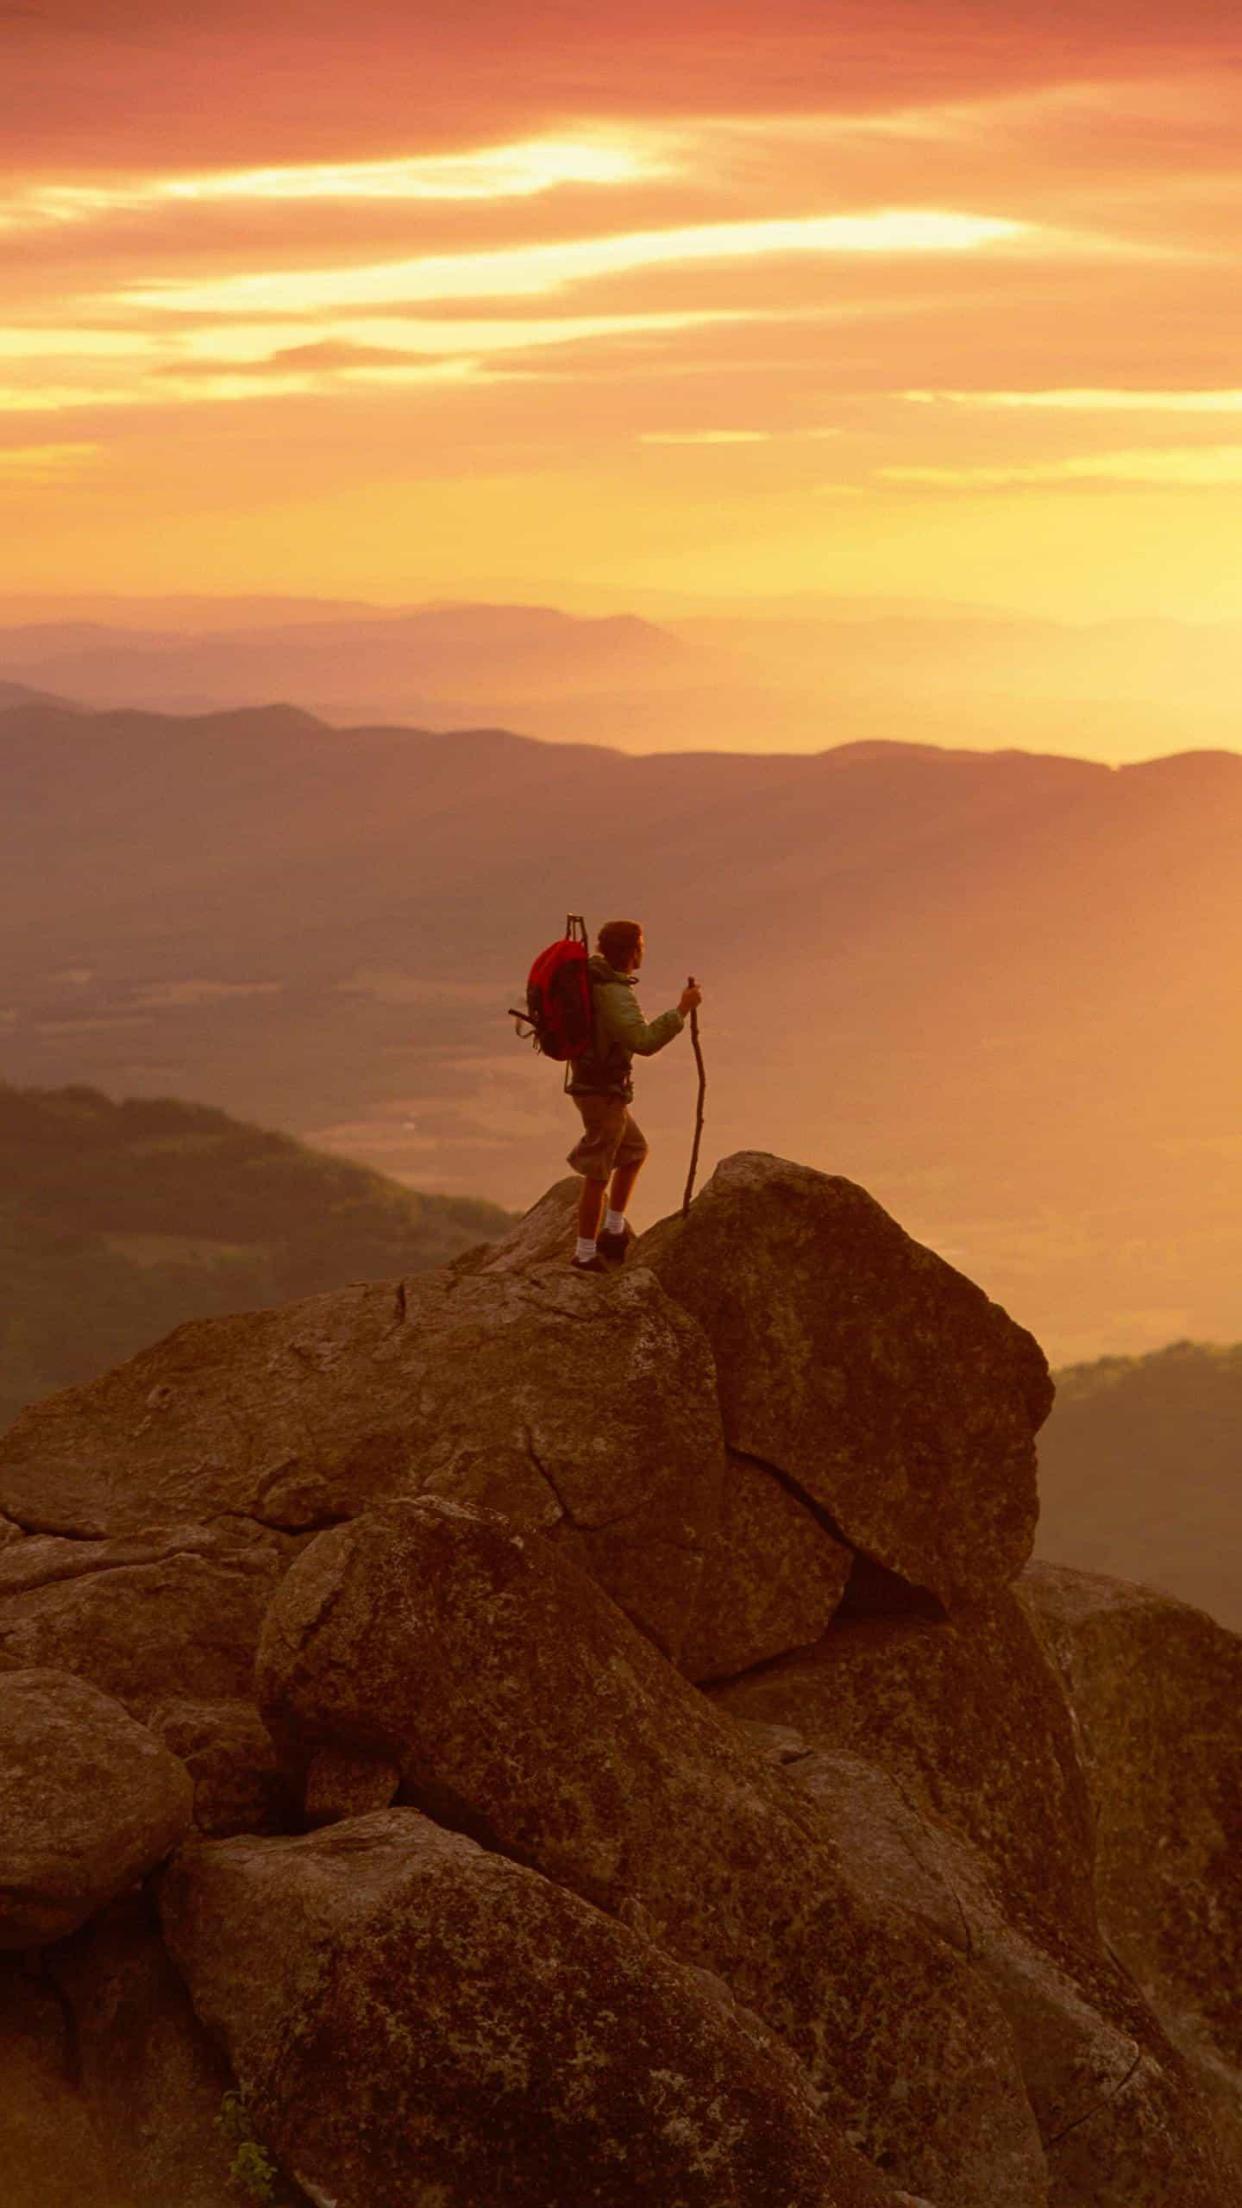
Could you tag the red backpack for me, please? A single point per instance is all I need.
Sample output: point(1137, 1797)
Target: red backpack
point(558, 996)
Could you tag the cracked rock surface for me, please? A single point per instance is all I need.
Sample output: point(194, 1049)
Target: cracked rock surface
point(772, 1577)
point(592, 1416)
point(585, 1408)
point(865, 1369)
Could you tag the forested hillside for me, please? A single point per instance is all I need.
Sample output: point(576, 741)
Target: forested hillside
point(118, 1220)
point(1141, 1472)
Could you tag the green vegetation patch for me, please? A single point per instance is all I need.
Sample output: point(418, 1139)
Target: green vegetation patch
point(120, 1220)
point(1141, 1472)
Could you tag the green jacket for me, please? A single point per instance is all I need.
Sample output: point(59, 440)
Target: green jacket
point(621, 1034)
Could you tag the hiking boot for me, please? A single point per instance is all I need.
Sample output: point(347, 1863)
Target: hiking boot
point(587, 1265)
point(614, 1247)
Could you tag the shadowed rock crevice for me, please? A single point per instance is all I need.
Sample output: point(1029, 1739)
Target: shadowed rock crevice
point(40, 1968)
point(299, 1533)
point(872, 1591)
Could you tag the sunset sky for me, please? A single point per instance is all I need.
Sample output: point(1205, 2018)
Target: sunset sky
point(614, 307)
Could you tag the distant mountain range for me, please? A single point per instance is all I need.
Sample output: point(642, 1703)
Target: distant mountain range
point(997, 989)
point(20, 693)
point(119, 1220)
point(1141, 1473)
point(796, 677)
point(442, 664)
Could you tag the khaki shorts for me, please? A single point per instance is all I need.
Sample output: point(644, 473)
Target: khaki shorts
point(609, 1137)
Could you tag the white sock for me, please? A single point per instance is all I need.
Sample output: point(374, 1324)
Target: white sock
point(614, 1222)
point(585, 1249)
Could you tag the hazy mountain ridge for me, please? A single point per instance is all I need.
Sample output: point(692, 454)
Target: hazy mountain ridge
point(835, 671)
point(993, 986)
point(452, 662)
point(120, 1220)
point(14, 694)
point(1141, 1472)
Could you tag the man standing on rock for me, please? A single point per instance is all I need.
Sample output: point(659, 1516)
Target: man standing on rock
point(601, 1086)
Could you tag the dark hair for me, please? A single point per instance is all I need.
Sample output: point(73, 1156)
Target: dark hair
point(618, 940)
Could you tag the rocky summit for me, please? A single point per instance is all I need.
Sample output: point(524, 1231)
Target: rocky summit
point(510, 1739)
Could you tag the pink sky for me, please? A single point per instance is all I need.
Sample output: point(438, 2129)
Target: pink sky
point(737, 301)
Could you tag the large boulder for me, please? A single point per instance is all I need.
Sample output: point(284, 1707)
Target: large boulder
point(89, 1802)
point(516, 1703)
point(146, 1617)
point(585, 1408)
point(865, 1369)
point(968, 1714)
point(413, 2019)
point(1123, 2123)
point(1157, 1692)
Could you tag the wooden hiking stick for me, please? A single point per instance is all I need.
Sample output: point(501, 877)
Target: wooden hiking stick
point(698, 1117)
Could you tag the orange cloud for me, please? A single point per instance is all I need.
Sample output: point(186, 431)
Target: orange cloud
point(1203, 467)
point(44, 463)
point(641, 259)
point(490, 173)
point(1091, 402)
point(539, 269)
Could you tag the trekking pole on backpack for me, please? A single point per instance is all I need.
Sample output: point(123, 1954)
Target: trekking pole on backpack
point(698, 1117)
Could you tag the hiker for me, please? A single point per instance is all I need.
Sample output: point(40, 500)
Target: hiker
point(611, 1145)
